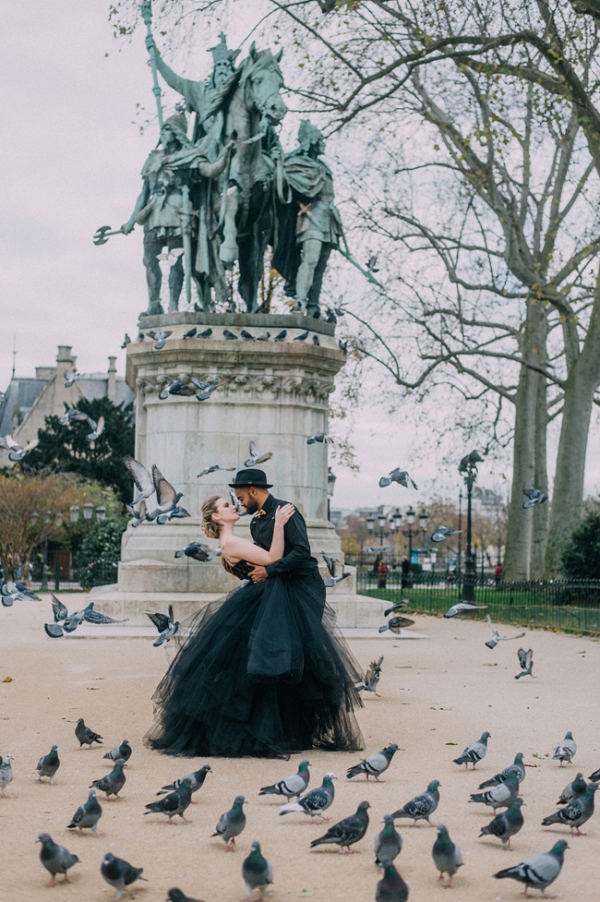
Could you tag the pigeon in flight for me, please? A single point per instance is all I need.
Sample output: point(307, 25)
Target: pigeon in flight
point(168, 498)
point(56, 859)
point(446, 855)
point(256, 457)
point(462, 607)
point(388, 842)
point(395, 624)
point(257, 872)
point(64, 622)
point(565, 750)
point(320, 437)
point(399, 476)
point(126, 341)
point(474, 752)
point(171, 257)
point(160, 336)
point(17, 452)
point(48, 765)
point(85, 735)
point(540, 870)
point(119, 874)
point(231, 823)
point(422, 806)
point(206, 334)
point(332, 579)
point(195, 779)
point(142, 478)
point(191, 333)
point(496, 637)
point(76, 414)
point(139, 516)
point(396, 607)
point(506, 823)
point(87, 815)
point(315, 802)
point(372, 263)
point(198, 552)
point(526, 662)
point(535, 497)
point(291, 786)
point(15, 591)
point(372, 677)
point(281, 335)
point(302, 337)
point(442, 533)
point(346, 832)
point(166, 625)
point(375, 765)
point(214, 469)
point(71, 378)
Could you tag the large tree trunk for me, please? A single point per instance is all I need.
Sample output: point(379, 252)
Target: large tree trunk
point(539, 514)
point(567, 500)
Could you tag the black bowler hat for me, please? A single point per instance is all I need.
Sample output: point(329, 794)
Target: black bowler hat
point(246, 478)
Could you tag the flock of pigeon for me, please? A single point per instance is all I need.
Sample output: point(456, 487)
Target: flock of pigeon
point(501, 793)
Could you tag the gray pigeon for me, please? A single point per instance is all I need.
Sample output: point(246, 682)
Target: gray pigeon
point(372, 677)
point(442, 533)
point(447, 857)
point(6, 773)
point(256, 457)
point(535, 497)
point(176, 895)
point(332, 579)
point(291, 786)
point(112, 783)
point(191, 333)
point(388, 842)
point(499, 796)
point(56, 859)
point(247, 335)
point(391, 887)
point(474, 752)
point(399, 476)
point(375, 764)
point(422, 806)
point(302, 337)
point(160, 336)
point(206, 334)
point(119, 874)
point(540, 870)
point(496, 637)
point(573, 790)
point(316, 340)
point(231, 823)
point(166, 625)
point(120, 751)
point(348, 831)
point(213, 469)
point(48, 765)
point(576, 813)
point(229, 335)
point(175, 802)
point(87, 815)
point(506, 823)
point(281, 335)
point(126, 341)
point(462, 607)
point(257, 872)
point(395, 624)
point(526, 662)
point(320, 437)
point(565, 750)
point(396, 607)
point(315, 802)
point(517, 767)
point(264, 336)
point(86, 735)
point(195, 779)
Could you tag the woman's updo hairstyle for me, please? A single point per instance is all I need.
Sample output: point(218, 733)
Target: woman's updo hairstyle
point(209, 507)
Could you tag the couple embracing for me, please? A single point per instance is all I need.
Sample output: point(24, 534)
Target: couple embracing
point(262, 672)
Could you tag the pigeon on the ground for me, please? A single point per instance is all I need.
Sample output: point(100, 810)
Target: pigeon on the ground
point(191, 333)
point(160, 336)
point(195, 779)
point(302, 337)
point(315, 802)
point(213, 469)
point(496, 637)
point(540, 870)
point(535, 497)
point(573, 790)
point(175, 802)
point(112, 783)
point(462, 607)
point(6, 773)
point(320, 437)
point(292, 786)
point(56, 859)
point(499, 796)
point(48, 765)
point(206, 334)
point(281, 335)
point(506, 823)
point(119, 874)
point(446, 855)
point(526, 662)
point(595, 776)
point(166, 625)
point(517, 767)
point(87, 815)
point(576, 813)
point(126, 341)
point(231, 823)
point(422, 806)
point(176, 895)
point(71, 378)
point(86, 735)
point(17, 452)
point(257, 872)
point(199, 552)
point(388, 842)
point(391, 887)
point(120, 751)
point(256, 457)
point(442, 533)
point(229, 335)
point(375, 764)
point(372, 677)
point(396, 607)
point(348, 831)
point(399, 476)
point(474, 752)
point(565, 750)
point(395, 624)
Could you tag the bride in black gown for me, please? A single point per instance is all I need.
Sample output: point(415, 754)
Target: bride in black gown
point(261, 672)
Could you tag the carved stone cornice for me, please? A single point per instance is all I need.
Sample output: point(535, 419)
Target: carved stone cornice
point(309, 388)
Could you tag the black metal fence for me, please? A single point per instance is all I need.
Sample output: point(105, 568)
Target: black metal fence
point(568, 605)
point(61, 579)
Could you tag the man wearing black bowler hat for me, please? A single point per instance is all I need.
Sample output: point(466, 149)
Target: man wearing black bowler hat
point(252, 490)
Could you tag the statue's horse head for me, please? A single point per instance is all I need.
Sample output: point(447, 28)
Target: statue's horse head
point(262, 82)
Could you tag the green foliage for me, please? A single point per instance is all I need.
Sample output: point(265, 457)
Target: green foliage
point(66, 449)
point(100, 549)
point(581, 557)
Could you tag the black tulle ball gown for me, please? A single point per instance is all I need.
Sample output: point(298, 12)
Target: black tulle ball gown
point(262, 674)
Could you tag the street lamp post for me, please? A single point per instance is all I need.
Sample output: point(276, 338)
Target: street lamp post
point(381, 522)
point(468, 470)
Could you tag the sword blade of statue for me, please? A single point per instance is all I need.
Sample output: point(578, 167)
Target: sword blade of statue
point(146, 12)
point(186, 232)
point(368, 275)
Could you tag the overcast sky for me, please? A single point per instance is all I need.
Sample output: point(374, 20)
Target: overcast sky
point(70, 162)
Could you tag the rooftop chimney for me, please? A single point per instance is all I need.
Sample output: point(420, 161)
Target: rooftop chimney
point(112, 379)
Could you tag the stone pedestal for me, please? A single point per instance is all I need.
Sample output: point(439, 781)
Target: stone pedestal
point(273, 393)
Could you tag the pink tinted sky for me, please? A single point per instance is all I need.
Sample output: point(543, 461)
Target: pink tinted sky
point(70, 162)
